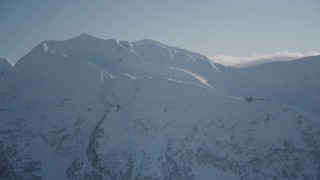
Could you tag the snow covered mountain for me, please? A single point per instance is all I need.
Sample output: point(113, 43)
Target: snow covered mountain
point(88, 108)
point(295, 83)
point(5, 66)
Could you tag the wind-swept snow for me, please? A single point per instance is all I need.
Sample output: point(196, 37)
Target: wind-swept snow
point(197, 76)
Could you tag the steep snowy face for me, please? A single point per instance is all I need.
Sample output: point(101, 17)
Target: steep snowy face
point(122, 57)
point(138, 57)
point(105, 54)
point(5, 66)
point(38, 106)
point(164, 55)
point(295, 83)
point(68, 114)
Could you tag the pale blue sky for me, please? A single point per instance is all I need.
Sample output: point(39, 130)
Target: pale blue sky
point(209, 27)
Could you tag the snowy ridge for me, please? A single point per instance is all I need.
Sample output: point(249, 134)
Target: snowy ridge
point(88, 108)
point(295, 83)
point(5, 66)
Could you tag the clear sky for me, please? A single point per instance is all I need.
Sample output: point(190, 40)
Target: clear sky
point(209, 27)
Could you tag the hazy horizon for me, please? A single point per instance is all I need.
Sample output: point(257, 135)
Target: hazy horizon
point(213, 28)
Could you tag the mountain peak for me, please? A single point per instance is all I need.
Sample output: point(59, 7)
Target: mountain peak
point(148, 41)
point(41, 47)
point(88, 38)
point(85, 36)
point(5, 61)
point(4, 65)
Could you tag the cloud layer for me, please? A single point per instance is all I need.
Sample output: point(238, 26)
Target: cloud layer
point(228, 60)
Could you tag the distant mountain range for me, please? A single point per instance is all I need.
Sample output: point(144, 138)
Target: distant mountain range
point(88, 108)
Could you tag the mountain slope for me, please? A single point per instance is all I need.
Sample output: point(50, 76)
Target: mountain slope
point(295, 83)
point(72, 110)
point(5, 66)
